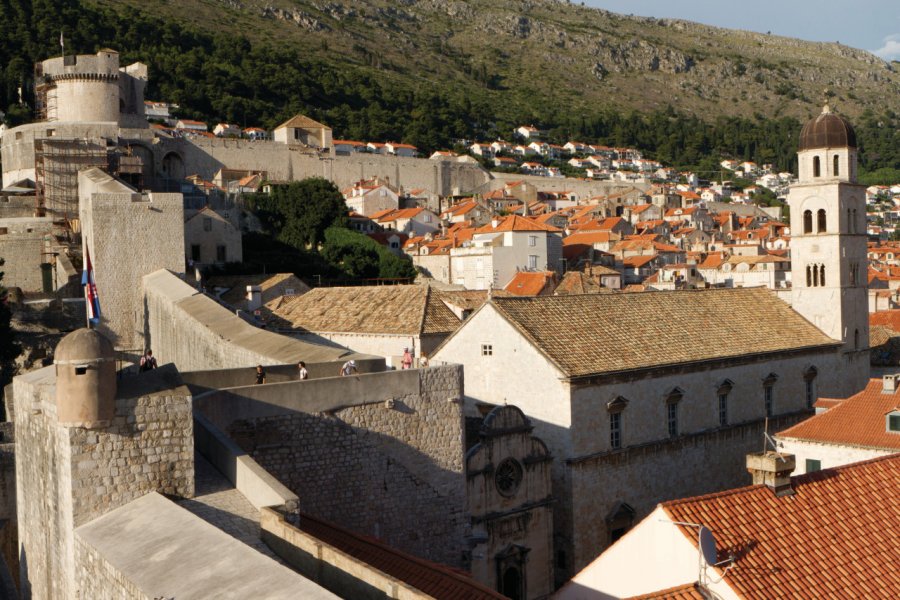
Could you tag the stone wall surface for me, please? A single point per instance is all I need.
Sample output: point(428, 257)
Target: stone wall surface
point(97, 579)
point(656, 472)
point(390, 468)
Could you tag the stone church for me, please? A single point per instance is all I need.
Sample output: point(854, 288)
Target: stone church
point(647, 397)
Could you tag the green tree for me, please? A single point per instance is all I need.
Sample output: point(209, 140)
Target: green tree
point(359, 256)
point(300, 212)
point(9, 348)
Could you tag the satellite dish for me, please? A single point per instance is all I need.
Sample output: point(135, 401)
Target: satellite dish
point(708, 546)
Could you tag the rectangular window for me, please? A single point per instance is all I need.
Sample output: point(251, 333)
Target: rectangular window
point(532, 240)
point(769, 396)
point(615, 430)
point(810, 394)
point(532, 261)
point(487, 349)
point(672, 418)
point(723, 409)
point(207, 224)
point(220, 254)
point(813, 465)
point(195, 252)
point(893, 422)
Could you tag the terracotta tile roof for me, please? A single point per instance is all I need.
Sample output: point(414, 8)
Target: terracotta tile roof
point(576, 282)
point(593, 334)
point(394, 309)
point(836, 537)
point(690, 591)
point(886, 318)
point(528, 283)
point(237, 285)
point(857, 421)
point(464, 299)
point(632, 262)
point(589, 237)
point(302, 121)
point(437, 580)
point(517, 223)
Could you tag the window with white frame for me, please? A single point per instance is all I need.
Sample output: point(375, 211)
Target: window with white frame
point(532, 261)
point(532, 240)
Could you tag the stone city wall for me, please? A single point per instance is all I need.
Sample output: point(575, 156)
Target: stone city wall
point(96, 578)
point(389, 466)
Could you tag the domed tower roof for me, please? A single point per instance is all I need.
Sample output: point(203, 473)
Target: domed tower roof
point(827, 130)
point(83, 345)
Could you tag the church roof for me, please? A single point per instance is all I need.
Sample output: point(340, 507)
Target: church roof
point(392, 309)
point(302, 122)
point(827, 130)
point(593, 334)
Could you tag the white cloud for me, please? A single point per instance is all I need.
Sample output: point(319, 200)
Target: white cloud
point(891, 48)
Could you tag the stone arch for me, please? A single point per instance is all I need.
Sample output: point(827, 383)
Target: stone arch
point(821, 221)
point(817, 166)
point(173, 165)
point(807, 221)
point(148, 160)
point(837, 166)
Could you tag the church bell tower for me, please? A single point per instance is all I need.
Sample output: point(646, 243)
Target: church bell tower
point(828, 241)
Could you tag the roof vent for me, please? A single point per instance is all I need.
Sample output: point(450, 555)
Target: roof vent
point(889, 383)
point(772, 469)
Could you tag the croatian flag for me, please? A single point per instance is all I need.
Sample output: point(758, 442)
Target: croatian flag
point(90, 289)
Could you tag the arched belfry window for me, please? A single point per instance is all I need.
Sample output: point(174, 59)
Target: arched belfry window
point(817, 167)
point(807, 221)
point(837, 166)
point(822, 275)
point(809, 282)
point(856, 339)
point(853, 221)
point(821, 221)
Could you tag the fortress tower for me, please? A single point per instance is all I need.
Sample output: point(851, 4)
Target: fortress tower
point(828, 241)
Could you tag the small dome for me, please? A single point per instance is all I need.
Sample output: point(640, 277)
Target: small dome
point(83, 344)
point(827, 130)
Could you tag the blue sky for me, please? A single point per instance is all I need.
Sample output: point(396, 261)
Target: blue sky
point(872, 25)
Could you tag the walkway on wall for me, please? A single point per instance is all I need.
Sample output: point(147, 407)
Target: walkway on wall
point(217, 502)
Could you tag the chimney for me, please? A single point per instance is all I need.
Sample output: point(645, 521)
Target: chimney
point(254, 297)
point(889, 384)
point(494, 222)
point(772, 469)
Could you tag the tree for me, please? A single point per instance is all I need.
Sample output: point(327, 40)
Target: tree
point(300, 212)
point(359, 256)
point(9, 348)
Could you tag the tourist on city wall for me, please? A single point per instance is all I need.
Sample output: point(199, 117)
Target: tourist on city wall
point(260, 375)
point(147, 361)
point(407, 361)
point(301, 370)
point(348, 368)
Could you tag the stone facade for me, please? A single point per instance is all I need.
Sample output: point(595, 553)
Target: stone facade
point(210, 238)
point(22, 250)
point(509, 495)
point(128, 236)
point(96, 578)
point(67, 476)
point(387, 462)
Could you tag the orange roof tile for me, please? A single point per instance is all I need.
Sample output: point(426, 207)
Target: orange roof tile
point(527, 283)
point(516, 223)
point(588, 237)
point(836, 537)
point(857, 421)
point(690, 591)
point(887, 318)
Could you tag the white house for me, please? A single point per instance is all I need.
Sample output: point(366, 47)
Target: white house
point(529, 132)
point(865, 425)
point(371, 196)
point(191, 125)
point(411, 221)
point(503, 247)
point(482, 150)
point(227, 130)
point(397, 149)
point(822, 535)
point(347, 147)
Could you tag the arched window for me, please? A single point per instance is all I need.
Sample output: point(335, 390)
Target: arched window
point(817, 167)
point(807, 221)
point(856, 339)
point(820, 221)
point(808, 276)
point(619, 520)
point(809, 379)
point(853, 271)
point(822, 275)
point(815, 274)
point(837, 168)
point(853, 221)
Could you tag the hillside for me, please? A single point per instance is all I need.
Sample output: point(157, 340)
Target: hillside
point(432, 71)
point(546, 55)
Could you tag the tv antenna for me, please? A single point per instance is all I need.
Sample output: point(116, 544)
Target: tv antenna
point(708, 555)
point(768, 440)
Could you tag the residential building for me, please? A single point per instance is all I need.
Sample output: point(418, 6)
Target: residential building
point(212, 238)
point(303, 131)
point(371, 196)
point(227, 130)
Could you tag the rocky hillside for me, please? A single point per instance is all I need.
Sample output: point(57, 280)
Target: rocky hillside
point(550, 55)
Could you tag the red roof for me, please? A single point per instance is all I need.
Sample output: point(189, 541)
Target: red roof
point(857, 421)
point(887, 318)
point(690, 591)
point(516, 223)
point(528, 283)
point(436, 580)
point(588, 237)
point(836, 537)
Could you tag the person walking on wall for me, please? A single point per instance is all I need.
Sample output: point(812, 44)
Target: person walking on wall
point(147, 361)
point(260, 375)
point(301, 370)
point(348, 368)
point(407, 361)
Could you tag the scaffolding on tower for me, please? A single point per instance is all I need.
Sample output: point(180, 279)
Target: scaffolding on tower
point(56, 166)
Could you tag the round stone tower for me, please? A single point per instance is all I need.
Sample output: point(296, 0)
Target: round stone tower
point(85, 380)
point(79, 89)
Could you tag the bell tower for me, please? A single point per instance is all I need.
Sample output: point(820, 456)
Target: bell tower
point(828, 241)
